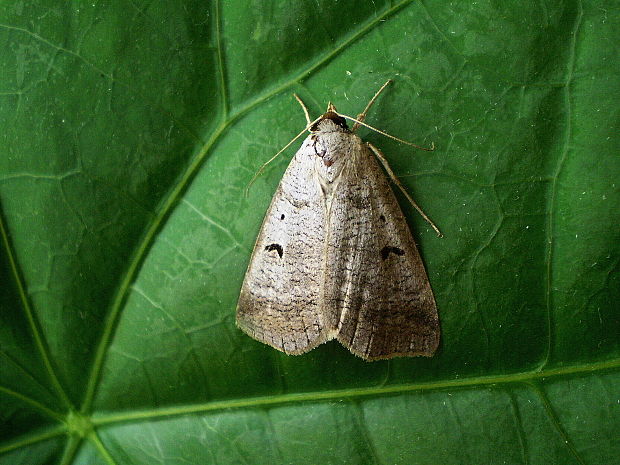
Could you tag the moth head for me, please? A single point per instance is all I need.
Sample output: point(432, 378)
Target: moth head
point(330, 121)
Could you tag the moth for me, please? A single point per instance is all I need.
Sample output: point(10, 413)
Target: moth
point(335, 258)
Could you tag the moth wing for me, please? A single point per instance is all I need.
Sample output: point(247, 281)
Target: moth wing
point(280, 300)
point(376, 278)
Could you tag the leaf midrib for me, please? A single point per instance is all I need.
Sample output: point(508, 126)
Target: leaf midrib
point(528, 377)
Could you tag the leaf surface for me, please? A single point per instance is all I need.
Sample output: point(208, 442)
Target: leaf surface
point(130, 131)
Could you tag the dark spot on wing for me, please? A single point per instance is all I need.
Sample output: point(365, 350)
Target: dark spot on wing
point(277, 247)
point(282, 217)
point(382, 218)
point(388, 249)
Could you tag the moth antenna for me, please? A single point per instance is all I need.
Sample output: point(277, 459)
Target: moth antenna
point(262, 168)
point(304, 108)
point(362, 115)
point(395, 180)
point(427, 149)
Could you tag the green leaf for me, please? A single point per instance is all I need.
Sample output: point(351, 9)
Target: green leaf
point(130, 131)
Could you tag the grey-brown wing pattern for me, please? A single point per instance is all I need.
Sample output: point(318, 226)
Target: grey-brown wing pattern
point(280, 300)
point(376, 284)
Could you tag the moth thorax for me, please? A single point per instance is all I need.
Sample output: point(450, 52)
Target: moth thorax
point(330, 122)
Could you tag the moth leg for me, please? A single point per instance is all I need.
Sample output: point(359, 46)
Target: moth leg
point(362, 116)
point(395, 180)
point(304, 108)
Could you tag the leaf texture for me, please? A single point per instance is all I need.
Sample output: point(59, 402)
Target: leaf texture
point(130, 131)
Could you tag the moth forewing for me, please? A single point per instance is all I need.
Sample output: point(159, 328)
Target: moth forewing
point(280, 296)
point(387, 305)
point(335, 257)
